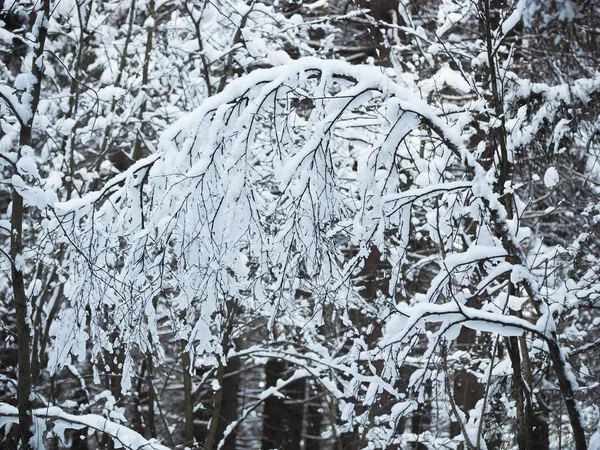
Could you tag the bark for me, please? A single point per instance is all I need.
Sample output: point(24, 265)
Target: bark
point(24, 386)
point(314, 421)
point(137, 147)
point(22, 321)
point(151, 398)
point(467, 390)
point(211, 439)
point(229, 402)
point(566, 388)
point(274, 410)
point(540, 439)
point(521, 403)
point(188, 396)
point(104, 148)
point(421, 420)
point(295, 392)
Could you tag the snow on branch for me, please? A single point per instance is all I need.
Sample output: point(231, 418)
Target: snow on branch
point(122, 436)
point(263, 190)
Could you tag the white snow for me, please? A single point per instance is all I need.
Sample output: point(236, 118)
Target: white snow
point(120, 434)
point(551, 177)
point(67, 126)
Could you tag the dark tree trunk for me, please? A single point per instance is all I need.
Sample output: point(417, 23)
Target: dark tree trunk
point(314, 420)
point(24, 381)
point(540, 439)
point(274, 409)
point(229, 402)
point(188, 396)
point(421, 420)
point(294, 417)
point(467, 390)
point(350, 441)
point(22, 319)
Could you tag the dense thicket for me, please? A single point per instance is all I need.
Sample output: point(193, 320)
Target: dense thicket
point(336, 225)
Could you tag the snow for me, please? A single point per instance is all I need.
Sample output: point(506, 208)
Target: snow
point(120, 434)
point(279, 57)
point(109, 93)
point(450, 78)
point(24, 81)
point(551, 177)
point(5, 35)
point(447, 23)
point(453, 313)
point(241, 216)
point(594, 443)
point(22, 111)
point(511, 21)
point(26, 165)
point(67, 126)
point(33, 195)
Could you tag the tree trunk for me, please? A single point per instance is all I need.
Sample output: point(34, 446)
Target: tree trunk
point(137, 147)
point(24, 388)
point(229, 402)
point(314, 419)
point(540, 439)
point(421, 419)
point(22, 317)
point(467, 390)
point(188, 397)
point(274, 410)
point(521, 401)
point(294, 406)
point(212, 438)
point(151, 398)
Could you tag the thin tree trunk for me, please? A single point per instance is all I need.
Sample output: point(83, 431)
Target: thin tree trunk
point(22, 319)
point(137, 147)
point(24, 387)
point(523, 422)
point(188, 396)
point(521, 383)
point(123, 62)
point(224, 403)
point(501, 230)
point(151, 398)
point(566, 388)
point(211, 439)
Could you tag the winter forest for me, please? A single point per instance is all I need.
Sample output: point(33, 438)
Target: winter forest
point(300, 225)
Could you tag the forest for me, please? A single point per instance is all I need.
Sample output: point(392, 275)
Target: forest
point(300, 225)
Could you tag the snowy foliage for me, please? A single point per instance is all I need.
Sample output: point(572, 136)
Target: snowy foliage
point(194, 194)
